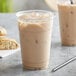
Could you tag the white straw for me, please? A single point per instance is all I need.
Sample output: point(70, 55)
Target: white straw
point(64, 64)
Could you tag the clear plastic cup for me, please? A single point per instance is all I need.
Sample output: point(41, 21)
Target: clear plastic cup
point(35, 27)
point(67, 20)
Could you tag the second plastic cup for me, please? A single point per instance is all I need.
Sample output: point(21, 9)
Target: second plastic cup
point(67, 19)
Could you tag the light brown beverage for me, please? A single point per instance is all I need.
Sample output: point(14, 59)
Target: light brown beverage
point(67, 19)
point(35, 36)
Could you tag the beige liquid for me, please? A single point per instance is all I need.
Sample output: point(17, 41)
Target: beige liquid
point(35, 40)
point(67, 18)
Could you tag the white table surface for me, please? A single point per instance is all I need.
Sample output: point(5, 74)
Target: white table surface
point(12, 65)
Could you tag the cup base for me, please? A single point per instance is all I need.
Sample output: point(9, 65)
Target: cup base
point(68, 44)
point(34, 68)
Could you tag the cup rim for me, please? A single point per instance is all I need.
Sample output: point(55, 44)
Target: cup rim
point(26, 11)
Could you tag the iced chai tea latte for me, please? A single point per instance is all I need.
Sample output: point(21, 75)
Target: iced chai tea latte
point(35, 36)
point(67, 19)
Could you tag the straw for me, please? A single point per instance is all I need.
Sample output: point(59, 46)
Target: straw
point(64, 64)
point(71, 1)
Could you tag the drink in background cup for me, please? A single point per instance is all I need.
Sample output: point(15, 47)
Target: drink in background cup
point(67, 19)
point(35, 28)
